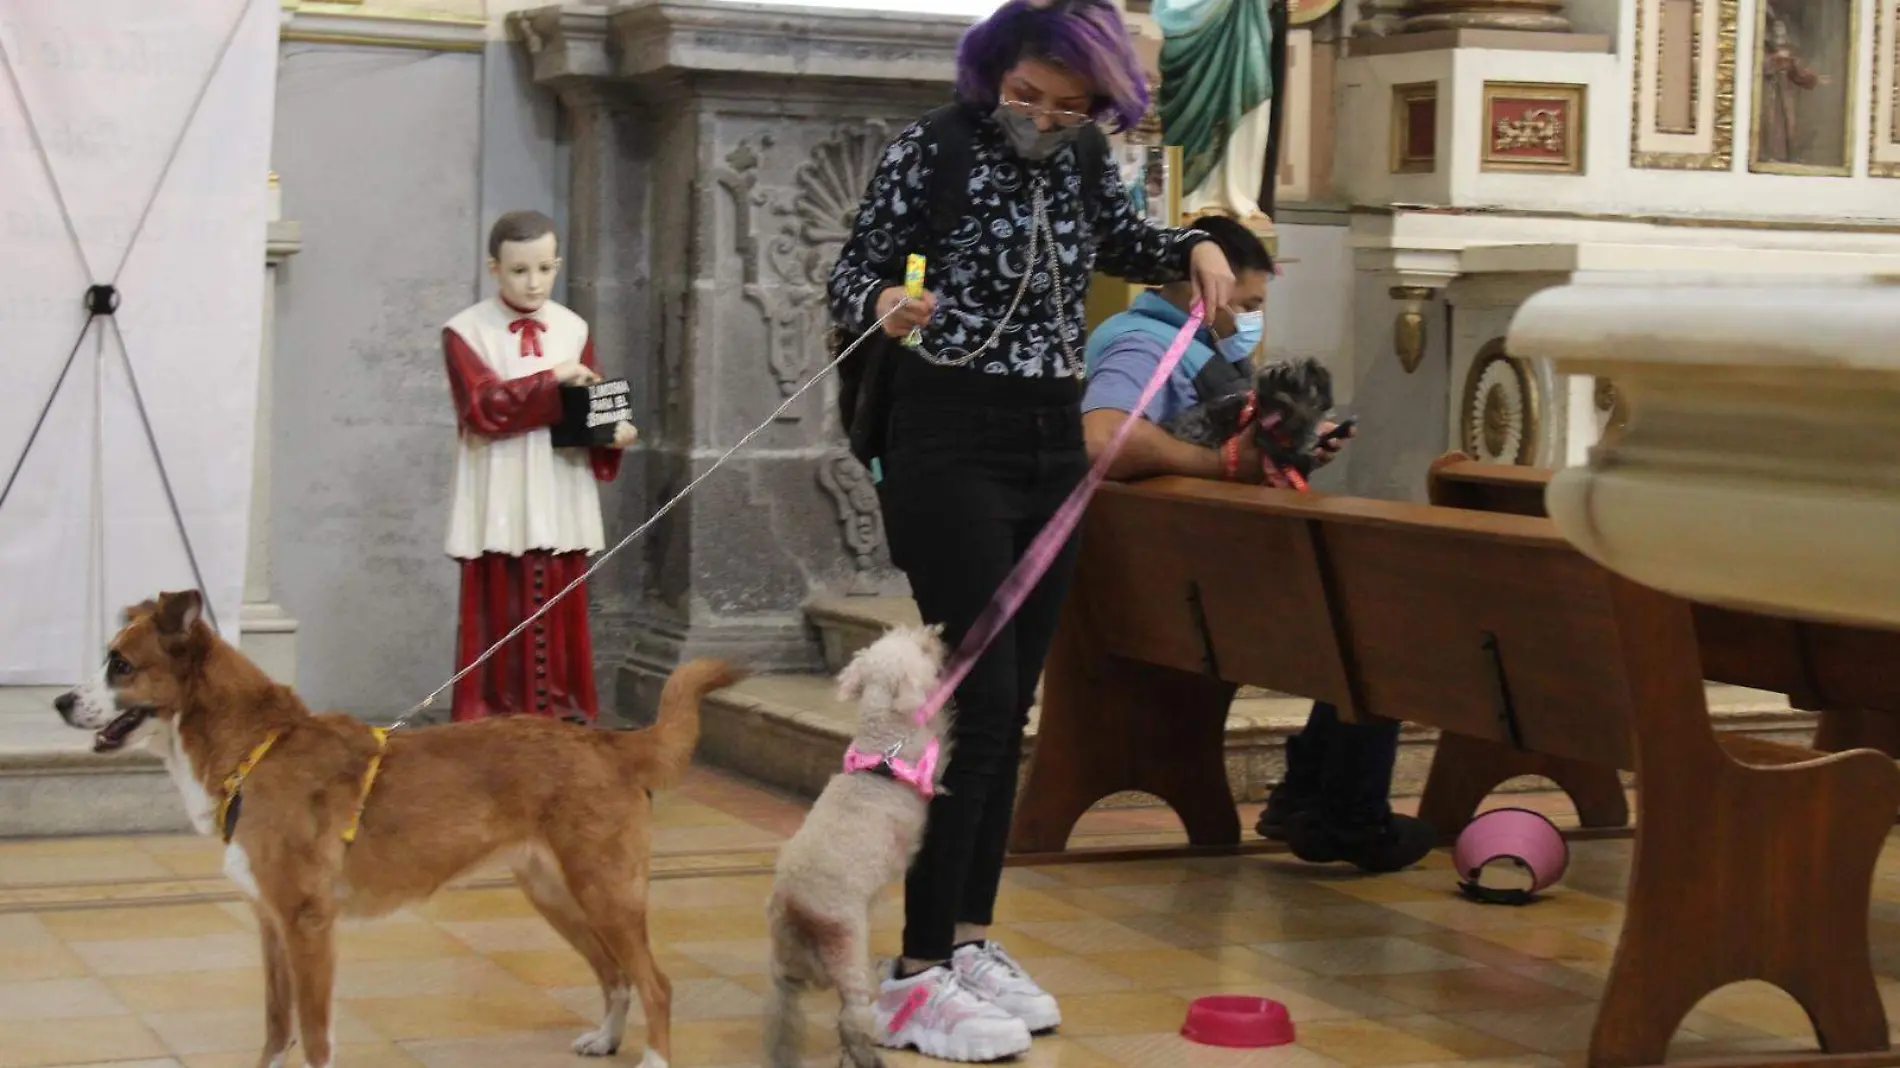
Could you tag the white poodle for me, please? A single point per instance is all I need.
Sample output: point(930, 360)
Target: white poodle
point(859, 837)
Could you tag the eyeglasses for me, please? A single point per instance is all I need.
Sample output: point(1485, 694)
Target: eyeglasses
point(1068, 120)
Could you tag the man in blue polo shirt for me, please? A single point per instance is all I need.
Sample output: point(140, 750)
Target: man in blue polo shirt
point(1334, 804)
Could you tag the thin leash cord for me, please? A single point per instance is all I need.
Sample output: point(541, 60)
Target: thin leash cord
point(660, 513)
point(164, 477)
point(46, 164)
point(1042, 552)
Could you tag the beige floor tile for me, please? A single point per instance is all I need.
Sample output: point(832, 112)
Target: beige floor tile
point(19, 930)
point(393, 940)
point(1065, 975)
point(157, 1062)
point(452, 976)
point(512, 935)
point(104, 867)
point(142, 922)
point(1364, 956)
point(235, 1030)
point(1758, 1005)
point(1017, 907)
point(57, 999)
point(1086, 937)
point(545, 1049)
point(547, 968)
point(1122, 1013)
point(1558, 1029)
point(1464, 1042)
point(195, 864)
point(706, 925)
point(1465, 990)
point(1023, 947)
point(446, 1016)
point(237, 988)
point(373, 1055)
point(156, 956)
point(49, 961)
point(488, 903)
point(1551, 943)
point(727, 891)
point(730, 959)
point(1168, 1049)
point(49, 1043)
point(676, 840)
point(1371, 1043)
point(1167, 968)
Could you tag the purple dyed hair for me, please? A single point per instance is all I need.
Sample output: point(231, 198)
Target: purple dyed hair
point(1084, 36)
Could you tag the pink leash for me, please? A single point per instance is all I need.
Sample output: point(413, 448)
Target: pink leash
point(1042, 552)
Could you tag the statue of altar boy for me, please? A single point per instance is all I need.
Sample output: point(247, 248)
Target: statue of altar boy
point(525, 513)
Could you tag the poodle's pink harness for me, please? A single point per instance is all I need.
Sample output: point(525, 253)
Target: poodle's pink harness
point(922, 775)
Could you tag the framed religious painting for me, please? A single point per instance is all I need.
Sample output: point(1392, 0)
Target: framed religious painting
point(1804, 87)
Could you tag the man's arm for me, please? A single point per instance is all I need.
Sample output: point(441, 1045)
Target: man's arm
point(1114, 389)
point(1150, 451)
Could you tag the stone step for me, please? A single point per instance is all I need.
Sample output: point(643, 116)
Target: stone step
point(790, 731)
point(848, 624)
point(51, 783)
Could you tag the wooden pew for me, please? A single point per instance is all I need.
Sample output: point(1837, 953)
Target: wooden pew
point(1490, 626)
point(1842, 672)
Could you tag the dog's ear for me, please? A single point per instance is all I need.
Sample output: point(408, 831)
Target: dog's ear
point(178, 613)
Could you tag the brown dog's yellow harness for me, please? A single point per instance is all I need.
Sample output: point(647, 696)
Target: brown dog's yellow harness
point(232, 806)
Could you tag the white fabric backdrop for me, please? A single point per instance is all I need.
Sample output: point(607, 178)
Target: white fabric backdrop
point(111, 85)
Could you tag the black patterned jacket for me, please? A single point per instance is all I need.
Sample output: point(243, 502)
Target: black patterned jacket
point(976, 276)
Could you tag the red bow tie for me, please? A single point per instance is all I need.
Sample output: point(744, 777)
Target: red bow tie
point(530, 331)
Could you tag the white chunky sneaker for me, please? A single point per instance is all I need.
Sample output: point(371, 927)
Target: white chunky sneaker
point(937, 1014)
point(994, 974)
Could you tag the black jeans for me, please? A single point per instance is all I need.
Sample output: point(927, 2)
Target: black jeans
point(1343, 770)
point(966, 488)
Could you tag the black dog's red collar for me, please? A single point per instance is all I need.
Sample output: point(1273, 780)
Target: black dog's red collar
point(1230, 452)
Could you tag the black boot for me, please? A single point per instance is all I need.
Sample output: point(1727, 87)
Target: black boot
point(1393, 844)
point(1283, 807)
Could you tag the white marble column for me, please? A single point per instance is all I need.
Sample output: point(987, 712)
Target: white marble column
point(267, 633)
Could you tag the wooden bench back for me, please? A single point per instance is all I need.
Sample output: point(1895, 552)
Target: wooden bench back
point(1484, 624)
point(1817, 664)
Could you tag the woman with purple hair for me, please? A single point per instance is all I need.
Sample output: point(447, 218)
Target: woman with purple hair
point(1012, 198)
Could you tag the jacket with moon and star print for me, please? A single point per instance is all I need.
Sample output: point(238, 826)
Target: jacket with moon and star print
point(977, 270)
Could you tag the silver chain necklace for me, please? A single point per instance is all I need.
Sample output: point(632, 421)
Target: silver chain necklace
point(1042, 241)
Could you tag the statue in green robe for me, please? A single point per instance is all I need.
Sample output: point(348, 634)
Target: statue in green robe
point(1216, 99)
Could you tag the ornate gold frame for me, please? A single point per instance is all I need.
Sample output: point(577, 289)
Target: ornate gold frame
point(1846, 169)
point(1721, 156)
point(1886, 69)
point(1402, 97)
point(1533, 425)
point(1576, 95)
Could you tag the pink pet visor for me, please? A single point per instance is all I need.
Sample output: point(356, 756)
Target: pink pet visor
point(1507, 855)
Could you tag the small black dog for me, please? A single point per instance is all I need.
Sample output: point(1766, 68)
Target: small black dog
point(1286, 406)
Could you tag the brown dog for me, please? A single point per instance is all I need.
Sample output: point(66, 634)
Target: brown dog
point(324, 816)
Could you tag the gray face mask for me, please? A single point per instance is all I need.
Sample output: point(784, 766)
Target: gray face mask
point(1030, 142)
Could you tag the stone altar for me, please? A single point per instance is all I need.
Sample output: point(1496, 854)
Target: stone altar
point(719, 152)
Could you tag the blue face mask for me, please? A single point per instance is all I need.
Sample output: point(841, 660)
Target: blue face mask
point(1249, 328)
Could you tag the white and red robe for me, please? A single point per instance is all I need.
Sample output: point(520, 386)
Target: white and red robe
point(524, 515)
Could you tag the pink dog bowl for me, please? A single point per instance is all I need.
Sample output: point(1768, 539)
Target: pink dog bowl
point(1238, 1022)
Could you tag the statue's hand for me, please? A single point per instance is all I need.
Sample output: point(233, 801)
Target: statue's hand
point(625, 435)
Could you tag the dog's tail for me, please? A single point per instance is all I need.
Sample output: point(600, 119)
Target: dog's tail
point(662, 752)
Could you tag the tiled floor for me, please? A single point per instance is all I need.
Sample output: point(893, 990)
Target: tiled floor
point(133, 952)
